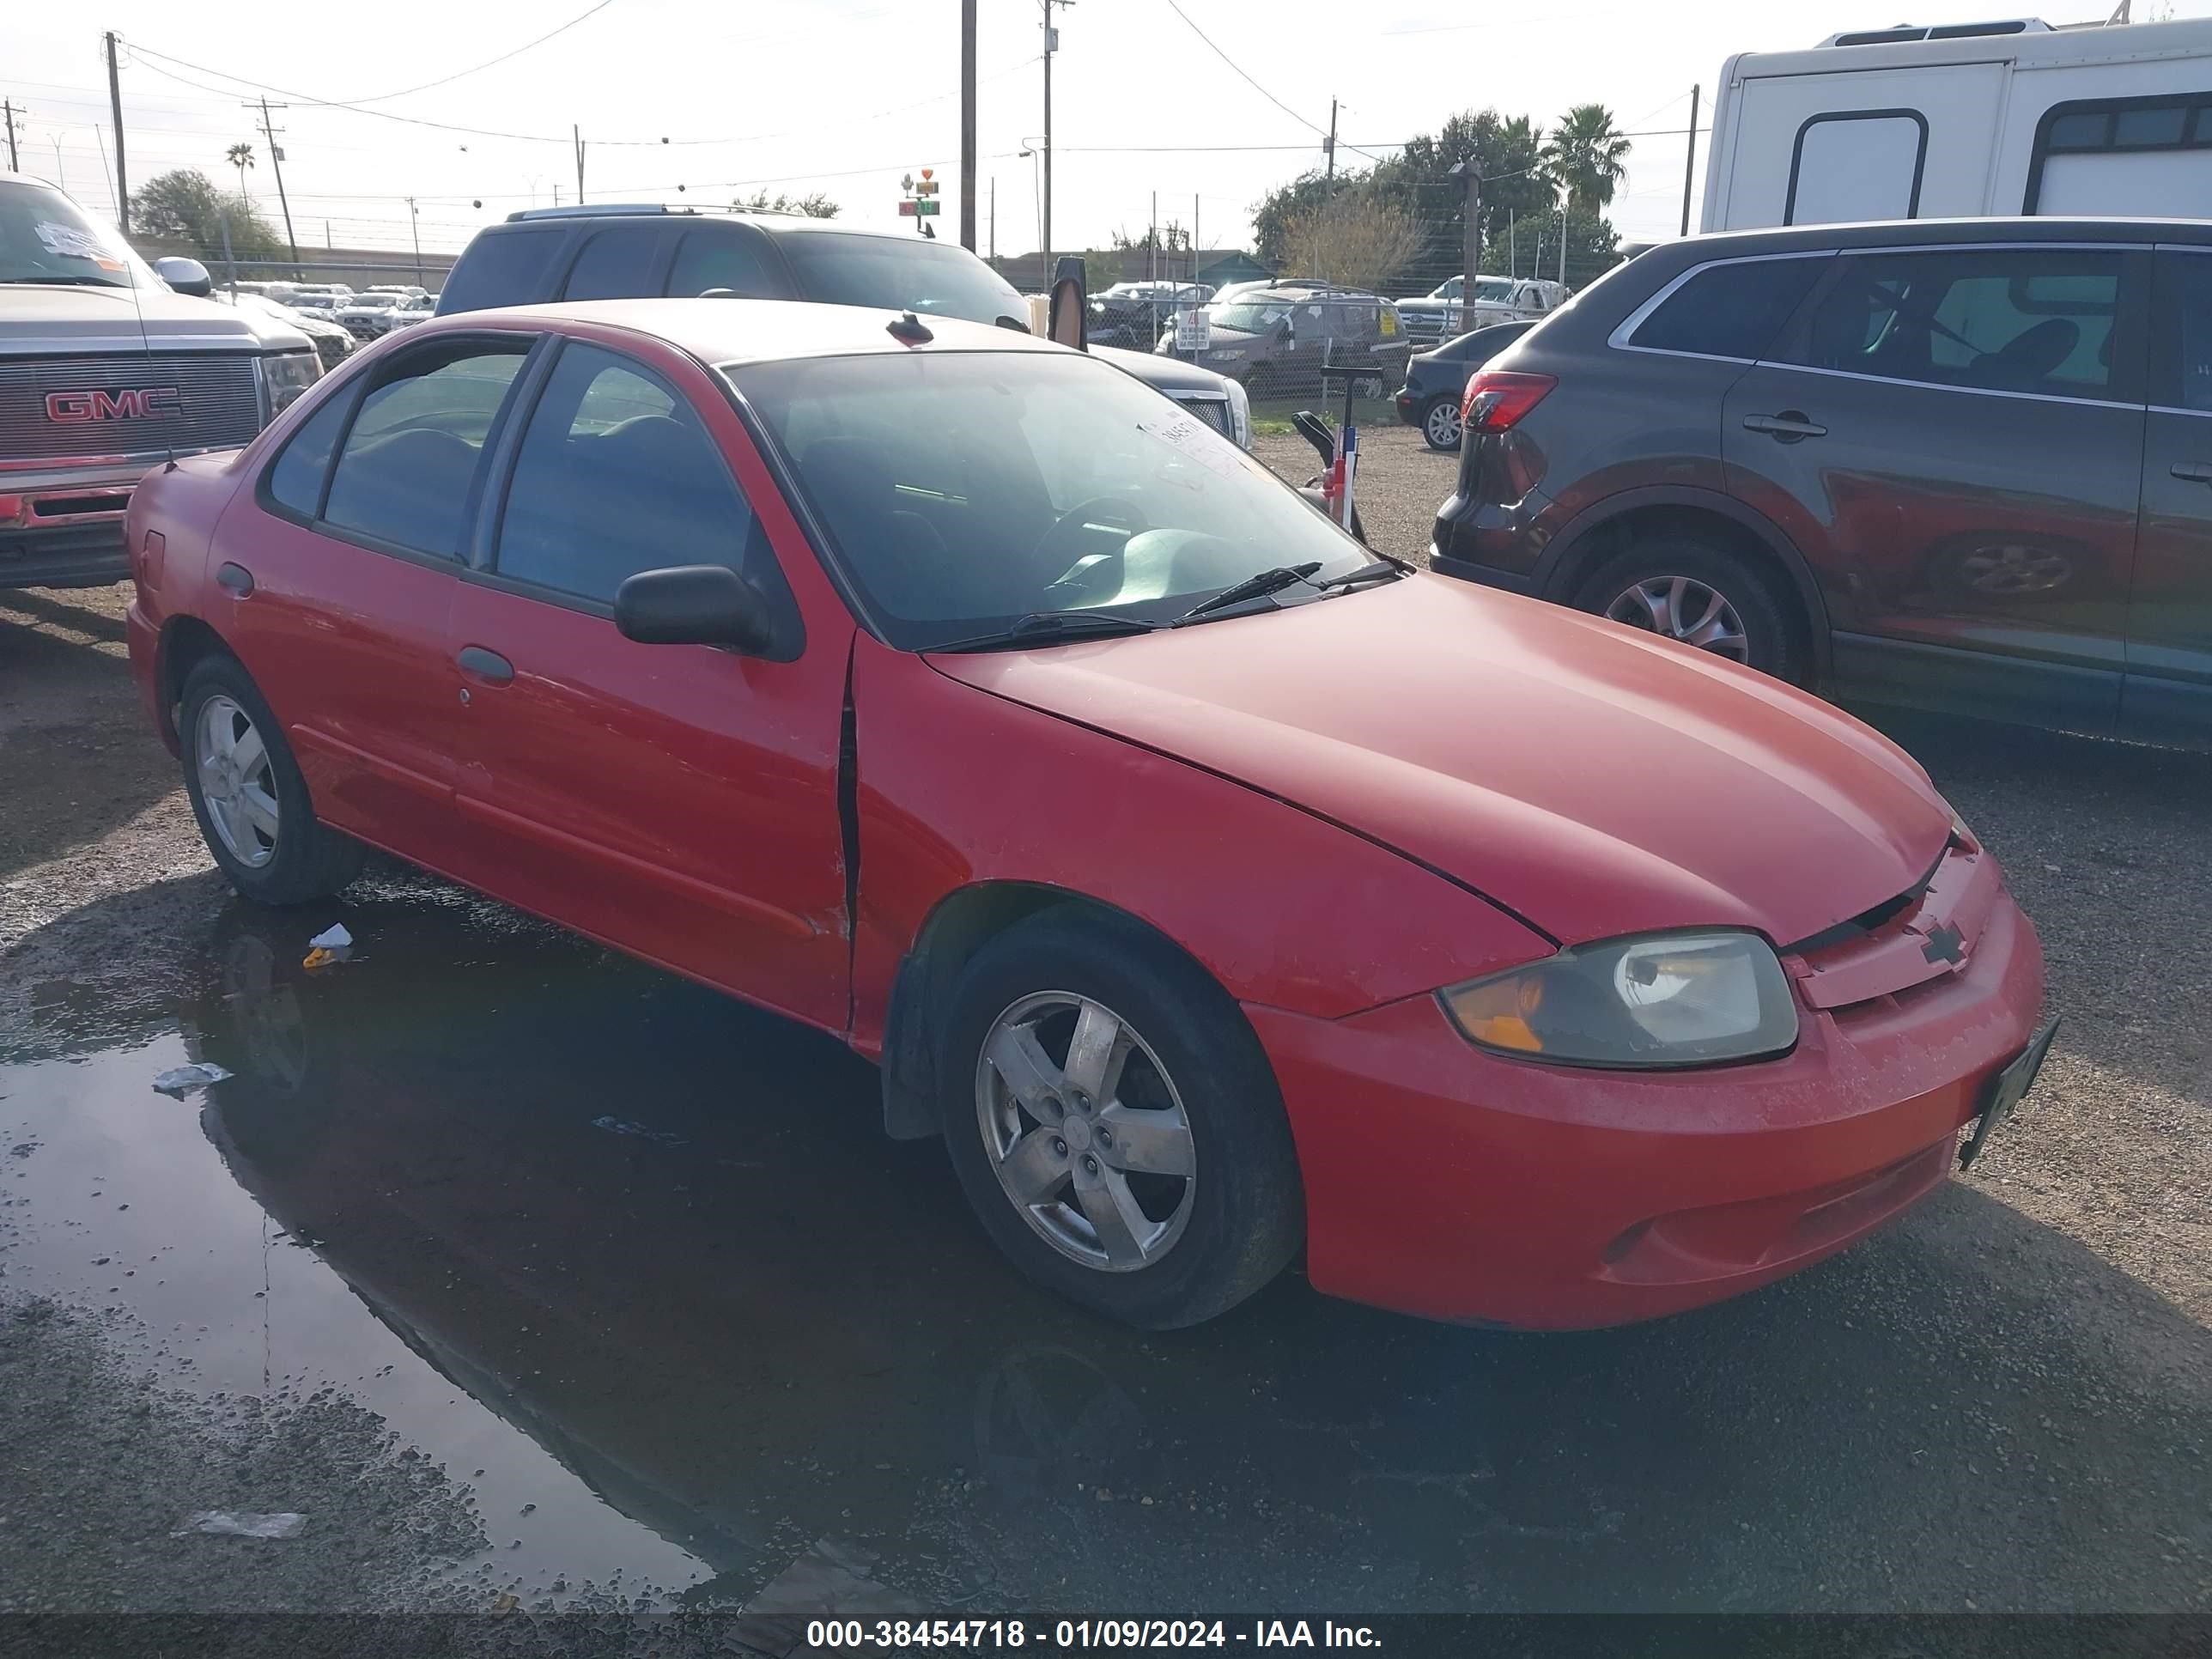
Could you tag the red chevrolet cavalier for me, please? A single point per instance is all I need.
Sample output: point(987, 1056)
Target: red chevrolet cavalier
point(957, 694)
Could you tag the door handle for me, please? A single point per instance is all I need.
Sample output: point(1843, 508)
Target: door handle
point(489, 666)
point(235, 580)
point(1786, 428)
point(2194, 472)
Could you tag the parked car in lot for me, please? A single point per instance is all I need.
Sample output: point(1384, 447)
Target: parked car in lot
point(1444, 310)
point(1132, 314)
point(934, 686)
point(1436, 381)
point(416, 309)
point(1286, 340)
point(618, 252)
point(367, 316)
point(107, 369)
point(333, 343)
point(1965, 464)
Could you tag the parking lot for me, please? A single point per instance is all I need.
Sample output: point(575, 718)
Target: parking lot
point(534, 1277)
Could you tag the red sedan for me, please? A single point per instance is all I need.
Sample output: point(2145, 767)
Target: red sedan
point(954, 693)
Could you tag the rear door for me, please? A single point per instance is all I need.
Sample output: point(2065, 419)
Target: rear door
point(340, 597)
point(2168, 696)
point(679, 801)
point(1951, 436)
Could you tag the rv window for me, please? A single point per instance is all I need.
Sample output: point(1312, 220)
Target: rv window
point(1729, 310)
point(1857, 165)
point(2129, 156)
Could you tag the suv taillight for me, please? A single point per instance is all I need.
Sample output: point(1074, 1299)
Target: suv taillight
point(1496, 399)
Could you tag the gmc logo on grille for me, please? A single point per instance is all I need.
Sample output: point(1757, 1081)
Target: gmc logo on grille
point(151, 403)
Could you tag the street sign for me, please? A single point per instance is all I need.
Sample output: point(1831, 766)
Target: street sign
point(1194, 330)
point(905, 209)
point(927, 187)
point(926, 207)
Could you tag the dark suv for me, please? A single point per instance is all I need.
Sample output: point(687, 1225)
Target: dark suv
point(1965, 465)
point(638, 251)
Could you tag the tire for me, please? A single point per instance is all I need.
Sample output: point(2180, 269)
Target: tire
point(287, 857)
point(1752, 622)
point(1440, 424)
point(1218, 1209)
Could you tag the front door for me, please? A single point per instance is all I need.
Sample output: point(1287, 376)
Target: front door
point(2169, 687)
point(679, 801)
point(1952, 437)
point(339, 595)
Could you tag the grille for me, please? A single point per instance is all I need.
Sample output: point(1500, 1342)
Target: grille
point(218, 400)
point(1214, 412)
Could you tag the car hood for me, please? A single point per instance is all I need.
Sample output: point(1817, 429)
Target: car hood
point(1166, 373)
point(39, 318)
point(1594, 780)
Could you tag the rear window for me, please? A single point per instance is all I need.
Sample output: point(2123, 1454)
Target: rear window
point(1729, 310)
point(615, 265)
point(502, 268)
point(848, 269)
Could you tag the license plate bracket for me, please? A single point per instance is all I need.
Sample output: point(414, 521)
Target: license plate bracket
point(2005, 1090)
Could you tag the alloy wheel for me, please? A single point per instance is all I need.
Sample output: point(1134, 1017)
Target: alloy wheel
point(1442, 425)
point(236, 782)
point(1683, 608)
point(1085, 1131)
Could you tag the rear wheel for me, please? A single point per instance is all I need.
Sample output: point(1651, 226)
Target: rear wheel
point(1116, 1124)
point(1440, 422)
point(248, 795)
point(1701, 595)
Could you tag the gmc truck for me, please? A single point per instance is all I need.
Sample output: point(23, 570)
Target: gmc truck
point(107, 369)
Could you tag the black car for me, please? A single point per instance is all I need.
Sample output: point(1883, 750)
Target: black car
point(1436, 380)
point(641, 250)
point(1965, 463)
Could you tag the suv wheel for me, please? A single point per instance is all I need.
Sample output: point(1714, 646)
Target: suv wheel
point(1440, 422)
point(1690, 591)
point(1117, 1125)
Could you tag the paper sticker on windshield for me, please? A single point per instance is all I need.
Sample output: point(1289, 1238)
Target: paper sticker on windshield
point(72, 242)
point(1196, 441)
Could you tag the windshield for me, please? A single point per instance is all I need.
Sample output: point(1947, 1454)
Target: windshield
point(1493, 287)
point(848, 269)
point(46, 238)
point(964, 491)
point(1248, 319)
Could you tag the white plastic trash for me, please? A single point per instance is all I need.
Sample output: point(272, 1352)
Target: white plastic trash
point(179, 1079)
point(242, 1524)
point(333, 937)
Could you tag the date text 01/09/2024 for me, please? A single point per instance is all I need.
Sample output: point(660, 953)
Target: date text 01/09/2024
point(900, 1634)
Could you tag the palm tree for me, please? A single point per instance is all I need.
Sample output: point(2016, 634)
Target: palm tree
point(242, 157)
point(1588, 156)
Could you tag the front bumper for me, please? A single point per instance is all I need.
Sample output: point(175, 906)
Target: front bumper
point(61, 525)
point(1455, 1184)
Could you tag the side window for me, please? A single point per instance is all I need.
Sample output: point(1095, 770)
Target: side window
point(2184, 348)
point(616, 474)
point(615, 264)
point(2003, 319)
point(294, 482)
point(1857, 164)
point(503, 268)
point(731, 257)
point(1729, 310)
point(2139, 157)
point(406, 472)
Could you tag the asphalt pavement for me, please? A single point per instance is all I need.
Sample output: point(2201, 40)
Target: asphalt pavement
point(532, 1278)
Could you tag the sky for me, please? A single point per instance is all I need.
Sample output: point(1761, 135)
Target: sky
point(846, 97)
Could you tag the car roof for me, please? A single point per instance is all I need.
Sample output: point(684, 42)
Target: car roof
point(720, 330)
point(1905, 233)
point(781, 224)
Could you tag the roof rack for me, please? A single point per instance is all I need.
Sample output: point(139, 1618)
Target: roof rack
point(595, 211)
point(1938, 32)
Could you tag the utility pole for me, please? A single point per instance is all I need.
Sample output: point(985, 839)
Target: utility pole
point(1564, 205)
point(1470, 173)
point(1193, 236)
point(1690, 166)
point(414, 225)
point(8, 120)
point(277, 162)
point(968, 124)
point(1044, 214)
point(995, 218)
point(1328, 148)
point(230, 264)
point(115, 104)
point(577, 133)
point(1153, 240)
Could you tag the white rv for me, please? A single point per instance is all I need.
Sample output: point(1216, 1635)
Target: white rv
point(1966, 120)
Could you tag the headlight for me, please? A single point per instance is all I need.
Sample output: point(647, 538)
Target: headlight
point(1671, 1000)
point(287, 375)
point(1240, 415)
point(1226, 353)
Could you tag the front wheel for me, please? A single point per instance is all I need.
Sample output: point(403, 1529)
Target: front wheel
point(1699, 595)
point(1440, 422)
point(248, 795)
point(1116, 1124)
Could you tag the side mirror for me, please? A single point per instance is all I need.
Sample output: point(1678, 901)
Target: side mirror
point(185, 275)
point(1070, 305)
point(694, 605)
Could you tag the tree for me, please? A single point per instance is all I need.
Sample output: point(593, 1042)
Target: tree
point(183, 205)
point(1588, 156)
point(817, 206)
point(1355, 239)
point(242, 157)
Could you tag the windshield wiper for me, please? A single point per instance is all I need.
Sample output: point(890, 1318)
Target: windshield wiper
point(1257, 585)
point(1043, 627)
point(1383, 569)
point(59, 281)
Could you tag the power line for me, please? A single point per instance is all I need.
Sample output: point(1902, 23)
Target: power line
point(491, 63)
point(1177, 9)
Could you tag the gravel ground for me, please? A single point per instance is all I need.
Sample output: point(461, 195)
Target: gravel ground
point(1401, 481)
